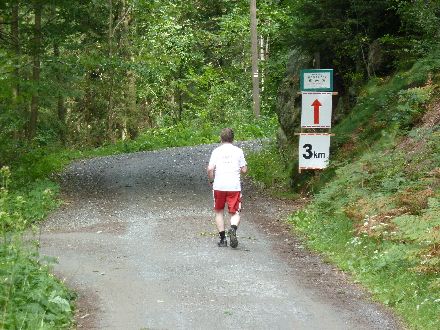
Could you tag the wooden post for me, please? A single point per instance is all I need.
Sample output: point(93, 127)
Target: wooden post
point(110, 114)
point(254, 50)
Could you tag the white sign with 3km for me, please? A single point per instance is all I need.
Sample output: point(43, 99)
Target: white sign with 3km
point(316, 109)
point(314, 150)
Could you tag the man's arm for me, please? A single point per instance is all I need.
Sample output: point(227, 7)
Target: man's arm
point(242, 162)
point(210, 171)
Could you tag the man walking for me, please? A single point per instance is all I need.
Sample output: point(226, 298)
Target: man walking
point(226, 164)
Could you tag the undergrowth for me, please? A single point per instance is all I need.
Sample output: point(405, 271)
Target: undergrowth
point(30, 297)
point(269, 170)
point(377, 216)
point(190, 134)
point(40, 162)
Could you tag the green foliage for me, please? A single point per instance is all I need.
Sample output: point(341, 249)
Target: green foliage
point(112, 69)
point(362, 39)
point(410, 104)
point(376, 212)
point(420, 26)
point(19, 209)
point(216, 99)
point(423, 231)
point(30, 296)
point(183, 134)
point(268, 169)
point(386, 106)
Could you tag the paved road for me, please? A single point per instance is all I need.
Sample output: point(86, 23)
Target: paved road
point(136, 239)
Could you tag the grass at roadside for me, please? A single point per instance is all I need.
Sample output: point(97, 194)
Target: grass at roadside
point(30, 297)
point(39, 163)
point(379, 219)
point(377, 216)
point(269, 171)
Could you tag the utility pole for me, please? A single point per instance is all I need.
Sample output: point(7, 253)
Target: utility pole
point(254, 50)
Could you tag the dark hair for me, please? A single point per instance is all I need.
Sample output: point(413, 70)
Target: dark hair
point(227, 135)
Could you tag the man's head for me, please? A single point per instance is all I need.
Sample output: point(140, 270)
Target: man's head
point(227, 135)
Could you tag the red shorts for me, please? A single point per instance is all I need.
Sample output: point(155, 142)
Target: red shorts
point(233, 198)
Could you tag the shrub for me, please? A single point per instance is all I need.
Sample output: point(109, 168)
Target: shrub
point(30, 297)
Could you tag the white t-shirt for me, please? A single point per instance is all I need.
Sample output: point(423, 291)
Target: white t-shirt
point(227, 160)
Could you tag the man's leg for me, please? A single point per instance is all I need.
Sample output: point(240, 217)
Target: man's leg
point(234, 204)
point(235, 219)
point(220, 222)
point(219, 205)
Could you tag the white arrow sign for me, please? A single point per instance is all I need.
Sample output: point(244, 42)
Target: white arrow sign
point(316, 109)
point(314, 151)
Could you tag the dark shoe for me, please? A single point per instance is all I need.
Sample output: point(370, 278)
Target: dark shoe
point(233, 237)
point(223, 243)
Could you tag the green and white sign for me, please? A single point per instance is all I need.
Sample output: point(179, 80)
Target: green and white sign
point(317, 80)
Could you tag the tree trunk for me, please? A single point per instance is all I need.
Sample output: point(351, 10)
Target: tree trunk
point(61, 109)
point(36, 49)
point(317, 60)
point(180, 95)
point(16, 47)
point(110, 91)
point(15, 42)
point(262, 60)
point(132, 107)
point(254, 45)
point(131, 115)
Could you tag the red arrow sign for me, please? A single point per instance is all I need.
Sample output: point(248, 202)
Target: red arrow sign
point(316, 104)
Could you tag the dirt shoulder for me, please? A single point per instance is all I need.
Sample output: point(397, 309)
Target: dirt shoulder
point(327, 282)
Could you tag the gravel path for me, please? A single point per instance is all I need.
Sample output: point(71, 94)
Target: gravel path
point(136, 239)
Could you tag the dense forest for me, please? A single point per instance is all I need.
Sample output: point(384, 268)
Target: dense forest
point(91, 72)
point(77, 75)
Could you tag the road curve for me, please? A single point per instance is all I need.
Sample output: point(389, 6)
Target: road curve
point(137, 241)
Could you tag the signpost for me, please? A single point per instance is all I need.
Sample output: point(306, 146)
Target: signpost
point(316, 110)
point(316, 113)
point(314, 150)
